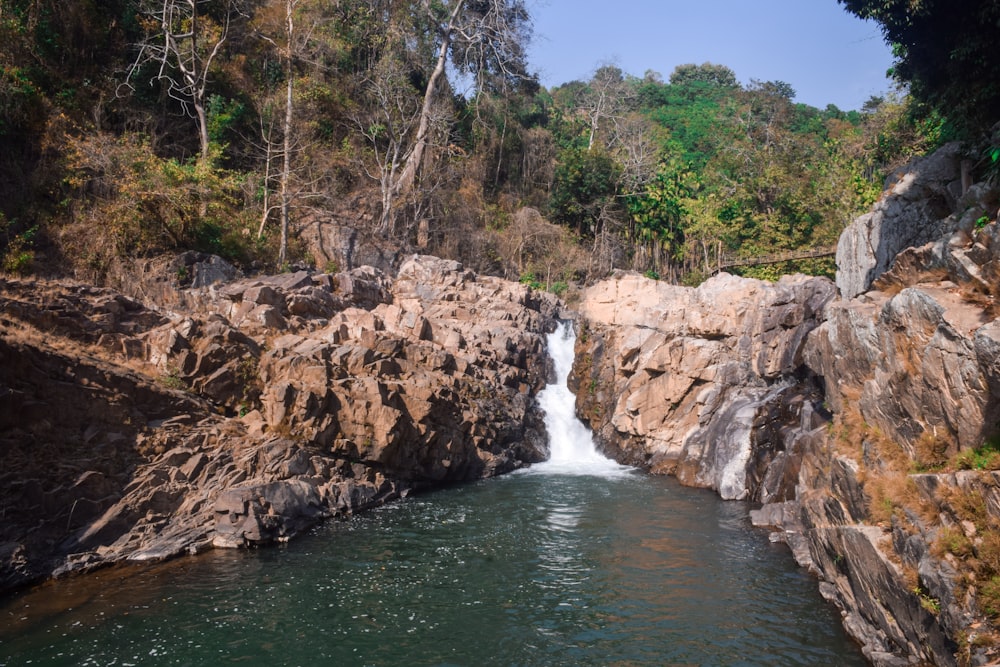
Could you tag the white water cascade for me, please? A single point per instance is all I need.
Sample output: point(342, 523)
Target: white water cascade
point(570, 441)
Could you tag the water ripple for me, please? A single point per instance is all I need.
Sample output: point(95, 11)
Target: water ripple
point(525, 570)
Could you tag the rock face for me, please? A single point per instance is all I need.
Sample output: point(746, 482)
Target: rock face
point(252, 409)
point(915, 364)
point(857, 423)
point(694, 382)
point(914, 210)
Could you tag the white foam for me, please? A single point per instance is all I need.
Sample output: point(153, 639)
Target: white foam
point(570, 442)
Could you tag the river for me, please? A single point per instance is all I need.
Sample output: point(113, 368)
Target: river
point(577, 561)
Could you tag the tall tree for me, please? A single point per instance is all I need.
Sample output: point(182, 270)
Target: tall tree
point(604, 99)
point(289, 45)
point(947, 54)
point(485, 38)
point(182, 42)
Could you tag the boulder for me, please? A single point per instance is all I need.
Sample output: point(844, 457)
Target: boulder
point(916, 208)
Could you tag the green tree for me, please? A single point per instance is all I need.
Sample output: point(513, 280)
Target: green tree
point(946, 53)
point(584, 188)
point(707, 74)
point(657, 216)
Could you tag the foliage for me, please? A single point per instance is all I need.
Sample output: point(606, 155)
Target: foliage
point(19, 255)
point(138, 204)
point(945, 53)
point(709, 74)
point(986, 457)
point(530, 280)
point(473, 162)
point(585, 184)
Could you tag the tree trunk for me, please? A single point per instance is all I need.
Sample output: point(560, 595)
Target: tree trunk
point(199, 110)
point(409, 174)
point(286, 168)
point(268, 157)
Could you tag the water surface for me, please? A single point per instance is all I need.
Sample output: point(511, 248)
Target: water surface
point(578, 561)
point(530, 569)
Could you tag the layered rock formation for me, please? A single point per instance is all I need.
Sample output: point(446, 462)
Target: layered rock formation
point(250, 410)
point(913, 210)
point(690, 381)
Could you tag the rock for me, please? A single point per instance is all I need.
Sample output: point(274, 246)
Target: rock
point(681, 380)
point(257, 408)
point(204, 270)
point(915, 209)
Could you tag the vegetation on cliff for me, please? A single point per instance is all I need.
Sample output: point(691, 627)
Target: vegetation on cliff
point(133, 128)
point(945, 53)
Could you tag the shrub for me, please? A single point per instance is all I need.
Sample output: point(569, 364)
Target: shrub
point(989, 597)
point(952, 540)
point(137, 204)
point(20, 254)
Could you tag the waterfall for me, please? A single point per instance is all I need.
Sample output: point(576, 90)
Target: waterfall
point(570, 442)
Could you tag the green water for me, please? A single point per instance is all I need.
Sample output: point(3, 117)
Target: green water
point(529, 569)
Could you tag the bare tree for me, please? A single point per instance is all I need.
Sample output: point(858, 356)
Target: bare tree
point(484, 37)
point(605, 98)
point(636, 146)
point(286, 148)
point(388, 131)
point(182, 42)
point(291, 31)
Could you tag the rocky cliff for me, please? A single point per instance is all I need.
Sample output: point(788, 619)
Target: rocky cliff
point(862, 424)
point(241, 412)
point(208, 410)
point(691, 381)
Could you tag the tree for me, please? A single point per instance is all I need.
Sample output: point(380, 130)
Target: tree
point(947, 54)
point(605, 98)
point(584, 189)
point(708, 74)
point(182, 42)
point(657, 214)
point(484, 38)
point(392, 113)
point(292, 43)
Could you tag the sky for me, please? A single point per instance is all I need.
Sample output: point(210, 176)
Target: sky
point(828, 55)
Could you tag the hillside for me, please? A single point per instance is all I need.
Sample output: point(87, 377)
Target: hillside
point(328, 134)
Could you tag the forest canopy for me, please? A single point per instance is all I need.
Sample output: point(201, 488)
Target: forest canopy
point(946, 54)
point(265, 130)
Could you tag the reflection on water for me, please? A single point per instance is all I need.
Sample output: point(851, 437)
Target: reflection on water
point(525, 570)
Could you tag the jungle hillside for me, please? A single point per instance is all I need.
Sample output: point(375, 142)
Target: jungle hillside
point(268, 131)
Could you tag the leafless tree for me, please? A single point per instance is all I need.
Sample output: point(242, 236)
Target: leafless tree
point(635, 145)
point(605, 99)
point(293, 30)
point(183, 41)
point(484, 37)
point(388, 133)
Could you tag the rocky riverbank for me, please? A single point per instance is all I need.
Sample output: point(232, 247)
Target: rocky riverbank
point(209, 410)
point(863, 426)
point(239, 413)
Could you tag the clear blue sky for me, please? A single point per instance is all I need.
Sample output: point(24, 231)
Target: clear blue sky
point(826, 54)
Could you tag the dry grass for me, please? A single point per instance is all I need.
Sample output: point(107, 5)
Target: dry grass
point(24, 332)
point(893, 493)
point(850, 428)
point(977, 547)
point(952, 540)
point(895, 281)
point(932, 452)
